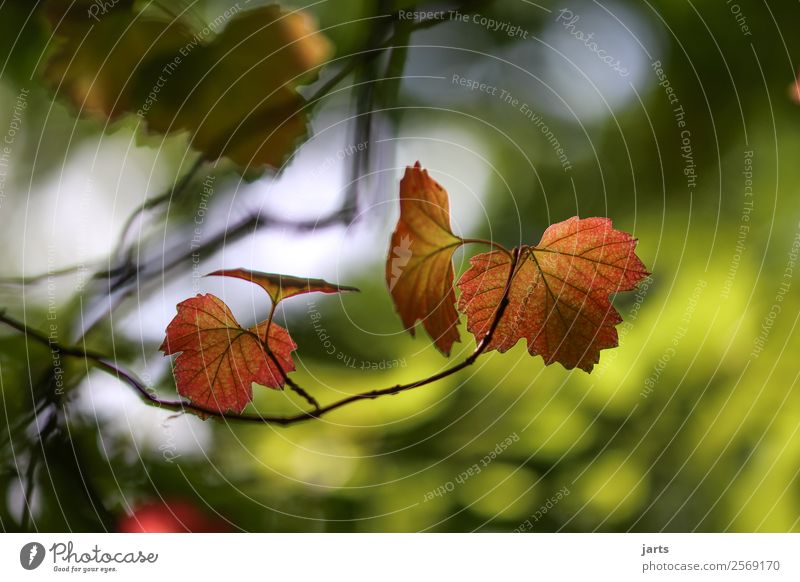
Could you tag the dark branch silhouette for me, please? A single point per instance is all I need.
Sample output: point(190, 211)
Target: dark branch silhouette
point(105, 364)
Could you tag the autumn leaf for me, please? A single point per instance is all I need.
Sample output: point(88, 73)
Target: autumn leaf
point(219, 360)
point(419, 268)
point(96, 65)
point(231, 86)
point(280, 287)
point(559, 294)
point(237, 94)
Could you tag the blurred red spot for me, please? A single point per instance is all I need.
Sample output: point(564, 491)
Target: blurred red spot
point(794, 91)
point(170, 517)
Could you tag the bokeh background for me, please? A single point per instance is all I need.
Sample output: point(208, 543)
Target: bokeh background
point(690, 425)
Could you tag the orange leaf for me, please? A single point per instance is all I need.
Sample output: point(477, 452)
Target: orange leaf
point(219, 360)
point(280, 287)
point(231, 86)
point(419, 268)
point(559, 294)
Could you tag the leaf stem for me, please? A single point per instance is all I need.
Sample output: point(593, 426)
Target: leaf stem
point(294, 386)
point(483, 241)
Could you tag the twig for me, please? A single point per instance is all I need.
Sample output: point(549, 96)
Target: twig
point(174, 192)
point(27, 508)
point(127, 267)
point(302, 392)
point(127, 271)
point(181, 405)
point(294, 386)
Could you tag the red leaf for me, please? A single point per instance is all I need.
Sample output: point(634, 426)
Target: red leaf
point(559, 295)
point(419, 268)
point(219, 360)
point(280, 287)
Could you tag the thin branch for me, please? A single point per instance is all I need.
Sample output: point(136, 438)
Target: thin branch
point(143, 273)
point(175, 192)
point(181, 405)
point(27, 508)
point(296, 388)
point(244, 227)
point(127, 271)
point(127, 267)
point(121, 275)
point(357, 59)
